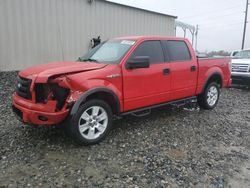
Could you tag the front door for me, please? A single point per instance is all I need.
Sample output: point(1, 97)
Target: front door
point(147, 86)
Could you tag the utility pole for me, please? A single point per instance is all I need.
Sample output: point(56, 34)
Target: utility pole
point(245, 26)
point(193, 33)
point(196, 36)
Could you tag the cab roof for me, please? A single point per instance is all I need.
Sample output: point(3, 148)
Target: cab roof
point(143, 37)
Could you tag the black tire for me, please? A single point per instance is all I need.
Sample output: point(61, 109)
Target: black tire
point(203, 98)
point(73, 127)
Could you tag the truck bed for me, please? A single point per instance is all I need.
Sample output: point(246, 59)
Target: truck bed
point(208, 66)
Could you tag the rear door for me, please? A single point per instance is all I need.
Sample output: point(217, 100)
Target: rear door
point(183, 70)
point(147, 86)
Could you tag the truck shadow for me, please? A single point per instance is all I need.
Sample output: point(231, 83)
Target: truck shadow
point(170, 111)
point(56, 135)
point(241, 87)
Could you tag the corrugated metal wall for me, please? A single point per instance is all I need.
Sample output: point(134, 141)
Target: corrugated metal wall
point(39, 31)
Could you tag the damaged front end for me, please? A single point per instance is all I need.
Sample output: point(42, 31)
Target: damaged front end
point(45, 93)
point(47, 103)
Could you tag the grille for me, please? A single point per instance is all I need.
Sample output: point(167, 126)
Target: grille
point(23, 87)
point(240, 68)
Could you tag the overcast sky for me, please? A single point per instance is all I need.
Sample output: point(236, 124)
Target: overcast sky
point(220, 21)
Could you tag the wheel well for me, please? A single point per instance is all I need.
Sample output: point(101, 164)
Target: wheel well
point(108, 98)
point(215, 78)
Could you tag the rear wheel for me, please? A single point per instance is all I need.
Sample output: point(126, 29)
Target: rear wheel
point(91, 123)
point(210, 97)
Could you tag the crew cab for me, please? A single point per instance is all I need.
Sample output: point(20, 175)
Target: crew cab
point(241, 68)
point(121, 76)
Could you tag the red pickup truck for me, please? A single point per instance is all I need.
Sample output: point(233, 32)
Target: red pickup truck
point(128, 75)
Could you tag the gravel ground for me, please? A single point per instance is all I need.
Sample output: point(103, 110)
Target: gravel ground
point(172, 147)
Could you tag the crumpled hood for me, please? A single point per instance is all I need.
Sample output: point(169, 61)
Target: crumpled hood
point(44, 71)
point(241, 61)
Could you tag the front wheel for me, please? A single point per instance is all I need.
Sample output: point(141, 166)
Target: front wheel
point(210, 97)
point(91, 123)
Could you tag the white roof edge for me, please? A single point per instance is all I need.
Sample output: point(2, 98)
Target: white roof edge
point(146, 10)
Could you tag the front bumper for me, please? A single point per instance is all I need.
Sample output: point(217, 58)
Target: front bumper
point(38, 114)
point(241, 78)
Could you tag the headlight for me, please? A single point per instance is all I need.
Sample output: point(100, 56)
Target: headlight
point(42, 93)
point(45, 92)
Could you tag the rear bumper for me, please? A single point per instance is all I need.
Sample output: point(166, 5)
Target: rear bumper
point(28, 112)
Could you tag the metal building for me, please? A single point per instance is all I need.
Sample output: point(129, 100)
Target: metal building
point(40, 31)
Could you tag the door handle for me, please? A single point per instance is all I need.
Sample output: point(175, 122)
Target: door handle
point(193, 68)
point(166, 72)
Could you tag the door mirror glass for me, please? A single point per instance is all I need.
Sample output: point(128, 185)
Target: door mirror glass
point(138, 62)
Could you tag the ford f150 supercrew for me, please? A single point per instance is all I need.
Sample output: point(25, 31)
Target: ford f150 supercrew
point(118, 77)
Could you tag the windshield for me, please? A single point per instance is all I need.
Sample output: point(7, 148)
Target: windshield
point(109, 52)
point(243, 55)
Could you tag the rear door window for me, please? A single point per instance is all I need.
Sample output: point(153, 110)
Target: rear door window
point(152, 49)
point(177, 51)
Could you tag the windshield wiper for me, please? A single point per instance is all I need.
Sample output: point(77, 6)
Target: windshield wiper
point(89, 59)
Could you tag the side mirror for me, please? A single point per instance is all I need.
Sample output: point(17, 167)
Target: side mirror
point(138, 62)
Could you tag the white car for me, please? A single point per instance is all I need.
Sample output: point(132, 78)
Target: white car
point(241, 68)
